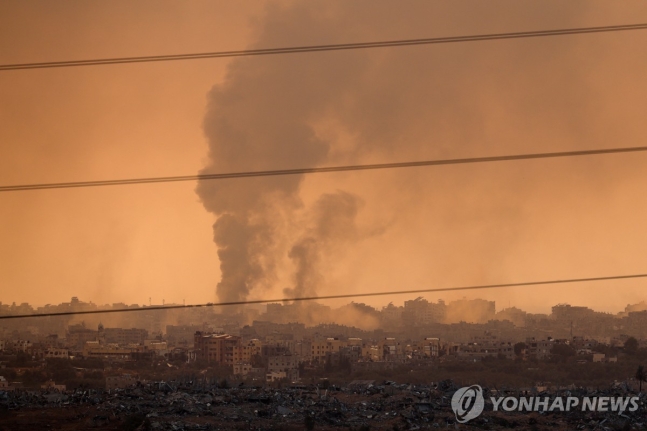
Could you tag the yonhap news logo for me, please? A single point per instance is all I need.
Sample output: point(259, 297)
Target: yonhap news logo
point(468, 403)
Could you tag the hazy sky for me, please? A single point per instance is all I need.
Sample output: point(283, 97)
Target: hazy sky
point(419, 228)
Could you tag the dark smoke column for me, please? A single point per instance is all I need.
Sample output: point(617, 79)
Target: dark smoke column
point(252, 124)
point(258, 119)
point(263, 116)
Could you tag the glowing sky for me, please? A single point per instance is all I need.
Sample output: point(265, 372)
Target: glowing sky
point(419, 228)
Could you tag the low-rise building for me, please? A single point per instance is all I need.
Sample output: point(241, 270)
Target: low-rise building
point(160, 348)
point(122, 336)
point(539, 349)
point(22, 345)
point(114, 352)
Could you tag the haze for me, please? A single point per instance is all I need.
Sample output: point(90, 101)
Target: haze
point(326, 233)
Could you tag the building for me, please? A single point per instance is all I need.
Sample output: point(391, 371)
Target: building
point(78, 335)
point(282, 363)
point(122, 336)
point(323, 346)
point(302, 349)
point(566, 312)
point(471, 311)
point(275, 312)
point(345, 355)
point(539, 349)
point(243, 369)
point(220, 348)
point(392, 315)
point(22, 345)
point(160, 348)
point(372, 352)
point(419, 311)
point(248, 349)
point(427, 348)
point(113, 352)
point(181, 336)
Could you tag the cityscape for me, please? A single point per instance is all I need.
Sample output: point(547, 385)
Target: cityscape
point(289, 215)
point(273, 344)
point(219, 354)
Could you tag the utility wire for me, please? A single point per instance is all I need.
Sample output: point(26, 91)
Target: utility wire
point(250, 174)
point(314, 298)
point(319, 48)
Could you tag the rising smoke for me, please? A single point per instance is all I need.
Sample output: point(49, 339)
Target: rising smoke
point(333, 227)
point(458, 100)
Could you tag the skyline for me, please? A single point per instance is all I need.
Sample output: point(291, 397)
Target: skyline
point(166, 306)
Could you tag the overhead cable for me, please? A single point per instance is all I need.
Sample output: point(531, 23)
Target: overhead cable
point(320, 48)
point(325, 297)
point(252, 174)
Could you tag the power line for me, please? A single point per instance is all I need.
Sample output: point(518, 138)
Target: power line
point(314, 298)
point(251, 174)
point(320, 48)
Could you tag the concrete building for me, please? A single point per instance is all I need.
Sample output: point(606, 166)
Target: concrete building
point(428, 348)
point(122, 336)
point(539, 349)
point(244, 370)
point(181, 336)
point(322, 346)
point(282, 363)
point(422, 312)
point(160, 348)
point(111, 352)
point(220, 348)
point(302, 349)
point(471, 311)
point(22, 345)
point(248, 349)
point(78, 335)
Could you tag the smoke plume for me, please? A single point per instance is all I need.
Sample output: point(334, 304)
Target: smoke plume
point(451, 226)
point(333, 216)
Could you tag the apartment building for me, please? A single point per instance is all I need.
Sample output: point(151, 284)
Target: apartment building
point(220, 348)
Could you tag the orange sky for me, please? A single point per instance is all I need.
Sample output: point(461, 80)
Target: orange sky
point(420, 228)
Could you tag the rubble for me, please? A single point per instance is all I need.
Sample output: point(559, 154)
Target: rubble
point(380, 406)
